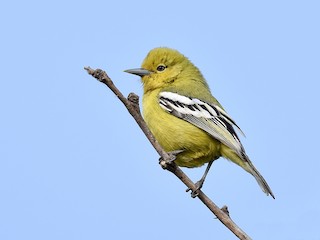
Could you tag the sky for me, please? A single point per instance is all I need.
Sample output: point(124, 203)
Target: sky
point(75, 165)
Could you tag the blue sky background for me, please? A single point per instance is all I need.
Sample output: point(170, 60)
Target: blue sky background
point(74, 164)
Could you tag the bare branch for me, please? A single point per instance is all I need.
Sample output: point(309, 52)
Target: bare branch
point(132, 105)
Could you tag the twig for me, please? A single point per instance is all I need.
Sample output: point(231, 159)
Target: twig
point(132, 105)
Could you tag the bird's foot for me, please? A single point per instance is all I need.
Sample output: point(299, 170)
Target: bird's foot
point(172, 157)
point(199, 184)
point(195, 193)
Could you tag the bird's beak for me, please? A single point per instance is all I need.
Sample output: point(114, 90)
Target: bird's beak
point(138, 71)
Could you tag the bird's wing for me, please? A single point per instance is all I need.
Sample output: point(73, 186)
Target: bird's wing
point(209, 117)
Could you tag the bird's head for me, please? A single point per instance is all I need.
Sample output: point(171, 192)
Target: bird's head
point(163, 67)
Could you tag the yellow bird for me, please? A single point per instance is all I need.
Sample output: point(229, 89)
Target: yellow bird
point(185, 118)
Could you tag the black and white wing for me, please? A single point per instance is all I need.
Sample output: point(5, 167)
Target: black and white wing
point(210, 118)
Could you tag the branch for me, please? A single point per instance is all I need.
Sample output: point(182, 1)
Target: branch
point(132, 105)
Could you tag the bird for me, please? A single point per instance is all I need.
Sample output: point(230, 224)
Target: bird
point(185, 118)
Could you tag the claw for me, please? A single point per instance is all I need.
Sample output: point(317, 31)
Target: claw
point(171, 159)
point(195, 193)
point(199, 184)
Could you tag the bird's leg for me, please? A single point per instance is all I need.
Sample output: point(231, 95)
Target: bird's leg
point(199, 184)
point(171, 159)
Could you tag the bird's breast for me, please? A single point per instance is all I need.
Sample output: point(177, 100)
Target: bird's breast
point(176, 134)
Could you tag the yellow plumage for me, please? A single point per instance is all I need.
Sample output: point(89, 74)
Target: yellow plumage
point(176, 134)
point(183, 115)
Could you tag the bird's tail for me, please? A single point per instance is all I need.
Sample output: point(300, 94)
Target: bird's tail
point(261, 181)
point(243, 161)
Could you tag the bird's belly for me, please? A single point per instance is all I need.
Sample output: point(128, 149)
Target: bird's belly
point(176, 134)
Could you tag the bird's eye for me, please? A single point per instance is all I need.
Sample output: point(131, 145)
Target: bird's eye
point(161, 68)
